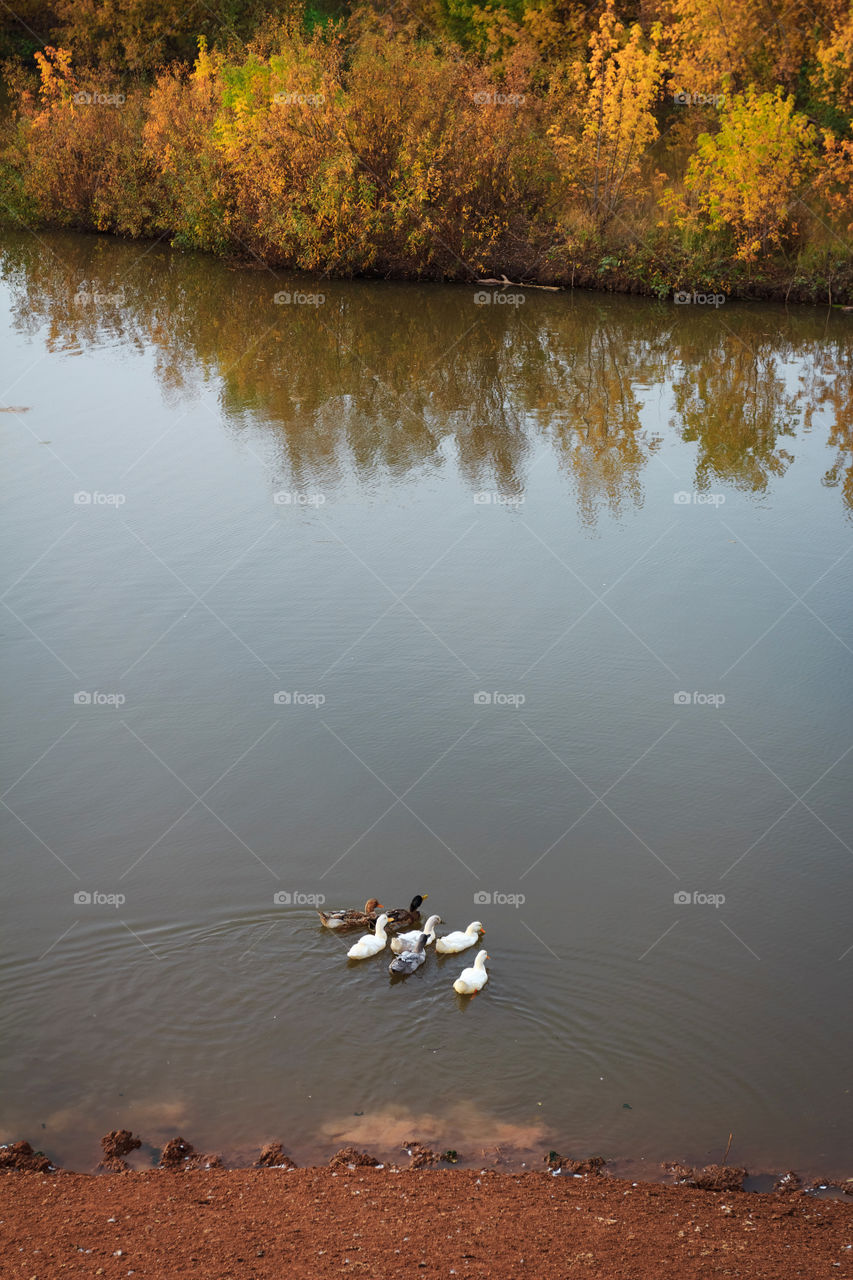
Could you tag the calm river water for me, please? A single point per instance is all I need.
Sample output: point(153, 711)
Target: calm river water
point(540, 607)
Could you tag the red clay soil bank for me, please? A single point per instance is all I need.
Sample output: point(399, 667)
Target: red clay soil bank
point(312, 1223)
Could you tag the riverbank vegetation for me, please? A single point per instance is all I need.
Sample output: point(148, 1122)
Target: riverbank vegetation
point(653, 147)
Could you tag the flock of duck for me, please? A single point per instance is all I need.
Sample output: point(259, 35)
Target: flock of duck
point(410, 947)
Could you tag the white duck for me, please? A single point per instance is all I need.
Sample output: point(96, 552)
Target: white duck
point(460, 940)
point(370, 944)
point(472, 980)
point(406, 941)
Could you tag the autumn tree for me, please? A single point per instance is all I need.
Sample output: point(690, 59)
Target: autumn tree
point(608, 120)
point(744, 41)
point(744, 181)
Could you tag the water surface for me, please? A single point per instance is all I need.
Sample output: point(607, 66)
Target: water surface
point(384, 506)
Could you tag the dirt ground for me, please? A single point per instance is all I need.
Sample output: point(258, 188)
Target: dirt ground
point(387, 1223)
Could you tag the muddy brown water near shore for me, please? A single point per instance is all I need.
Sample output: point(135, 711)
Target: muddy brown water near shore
point(124, 1152)
point(402, 502)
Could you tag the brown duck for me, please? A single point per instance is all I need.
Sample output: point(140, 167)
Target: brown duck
point(349, 918)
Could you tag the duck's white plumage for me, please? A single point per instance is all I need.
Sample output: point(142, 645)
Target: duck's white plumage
point(472, 980)
point(370, 944)
point(461, 940)
point(405, 941)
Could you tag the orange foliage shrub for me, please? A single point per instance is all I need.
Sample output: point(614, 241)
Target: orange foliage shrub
point(834, 180)
point(403, 160)
point(177, 139)
point(77, 151)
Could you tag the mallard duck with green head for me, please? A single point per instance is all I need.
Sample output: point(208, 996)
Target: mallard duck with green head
point(405, 917)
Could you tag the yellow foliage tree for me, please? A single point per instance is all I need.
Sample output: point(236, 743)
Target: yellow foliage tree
point(608, 121)
point(746, 179)
point(56, 79)
point(832, 78)
point(745, 41)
